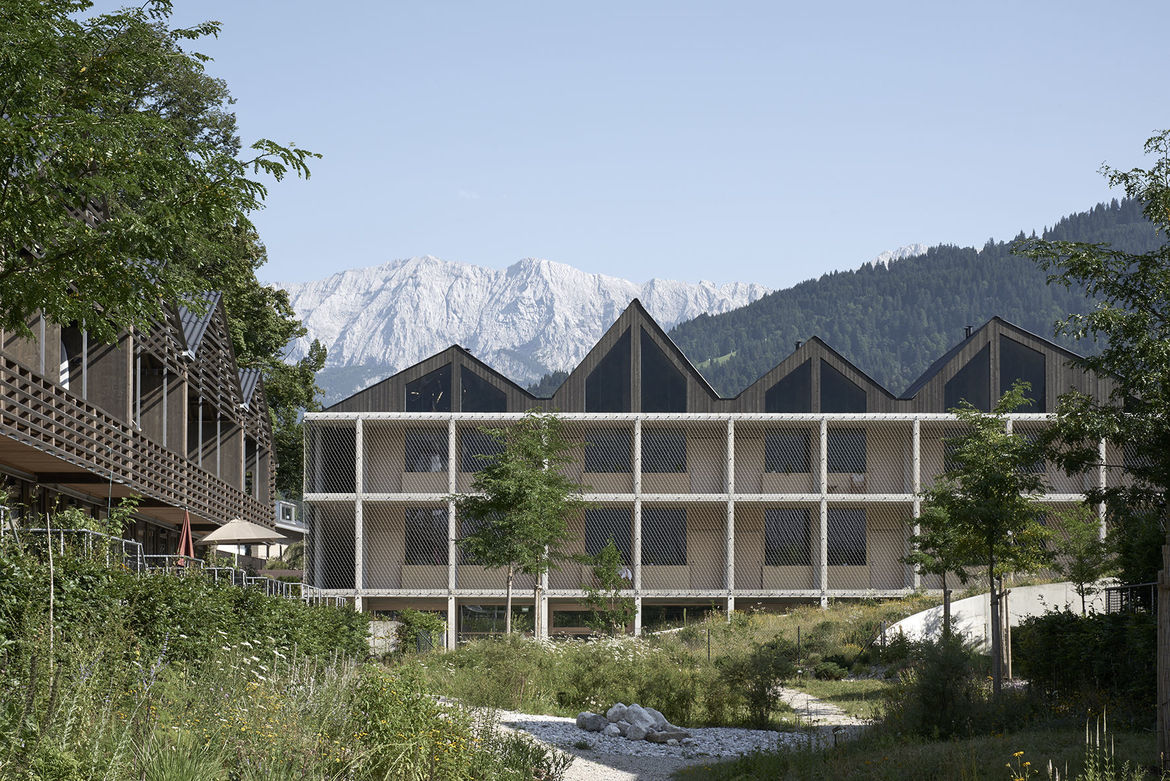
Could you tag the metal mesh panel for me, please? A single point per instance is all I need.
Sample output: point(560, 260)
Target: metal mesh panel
point(776, 458)
point(330, 456)
point(471, 573)
point(571, 573)
point(329, 544)
point(867, 545)
point(405, 545)
point(683, 546)
point(403, 457)
point(776, 545)
point(884, 448)
point(607, 456)
point(1056, 480)
point(475, 448)
point(936, 449)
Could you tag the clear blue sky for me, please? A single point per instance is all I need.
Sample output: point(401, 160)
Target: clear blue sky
point(752, 141)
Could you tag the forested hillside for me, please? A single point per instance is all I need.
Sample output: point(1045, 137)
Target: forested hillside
point(892, 322)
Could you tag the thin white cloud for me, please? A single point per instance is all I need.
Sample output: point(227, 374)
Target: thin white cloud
point(468, 195)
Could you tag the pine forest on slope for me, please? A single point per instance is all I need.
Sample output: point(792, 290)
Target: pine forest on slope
point(893, 320)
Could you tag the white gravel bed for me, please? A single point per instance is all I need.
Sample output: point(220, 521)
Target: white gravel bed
point(706, 742)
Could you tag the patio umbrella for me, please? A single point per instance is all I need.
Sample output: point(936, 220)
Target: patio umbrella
point(241, 532)
point(186, 545)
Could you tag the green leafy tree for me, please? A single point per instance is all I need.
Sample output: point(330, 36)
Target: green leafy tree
point(937, 549)
point(1088, 557)
point(1131, 319)
point(127, 188)
point(521, 502)
point(610, 612)
point(987, 494)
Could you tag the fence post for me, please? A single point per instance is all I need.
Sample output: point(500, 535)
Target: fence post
point(1164, 660)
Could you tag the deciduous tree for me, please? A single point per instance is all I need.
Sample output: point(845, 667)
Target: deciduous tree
point(521, 502)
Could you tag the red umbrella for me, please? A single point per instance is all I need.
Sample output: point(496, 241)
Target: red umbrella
point(186, 544)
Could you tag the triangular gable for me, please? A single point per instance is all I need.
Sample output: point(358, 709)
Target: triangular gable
point(212, 327)
point(633, 318)
point(814, 349)
point(249, 381)
point(959, 354)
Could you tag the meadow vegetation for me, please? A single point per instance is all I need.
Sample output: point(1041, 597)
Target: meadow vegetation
point(164, 677)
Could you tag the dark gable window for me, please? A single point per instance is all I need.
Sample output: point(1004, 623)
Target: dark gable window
point(971, 383)
point(607, 450)
point(1020, 362)
point(425, 451)
point(430, 392)
point(474, 445)
point(787, 451)
point(838, 392)
point(607, 388)
point(664, 451)
point(426, 536)
point(786, 537)
point(479, 395)
point(664, 536)
point(845, 450)
point(605, 523)
point(792, 393)
point(664, 389)
point(846, 537)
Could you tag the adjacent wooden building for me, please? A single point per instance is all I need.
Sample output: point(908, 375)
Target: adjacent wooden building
point(166, 416)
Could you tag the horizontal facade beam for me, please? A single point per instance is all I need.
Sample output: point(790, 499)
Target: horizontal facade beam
point(672, 417)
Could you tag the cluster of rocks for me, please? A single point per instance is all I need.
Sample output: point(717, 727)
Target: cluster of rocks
point(633, 722)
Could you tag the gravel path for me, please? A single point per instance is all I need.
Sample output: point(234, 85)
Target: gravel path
point(617, 759)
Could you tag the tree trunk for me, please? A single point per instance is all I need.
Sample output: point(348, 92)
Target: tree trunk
point(946, 628)
point(996, 636)
point(1083, 611)
point(508, 603)
point(536, 607)
point(1163, 662)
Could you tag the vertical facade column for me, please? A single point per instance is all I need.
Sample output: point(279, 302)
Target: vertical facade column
point(729, 544)
point(84, 364)
point(138, 387)
point(166, 393)
point(636, 554)
point(916, 489)
point(41, 321)
point(823, 535)
point(359, 552)
point(200, 439)
point(218, 439)
point(1102, 484)
point(452, 535)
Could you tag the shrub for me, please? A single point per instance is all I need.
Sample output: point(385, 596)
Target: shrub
point(755, 676)
point(938, 697)
point(415, 624)
point(1090, 663)
point(829, 671)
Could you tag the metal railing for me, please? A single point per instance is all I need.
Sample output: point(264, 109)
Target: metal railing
point(116, 551)
point(1132, 598)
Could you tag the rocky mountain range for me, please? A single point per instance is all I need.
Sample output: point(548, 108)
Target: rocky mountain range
point(534, 317)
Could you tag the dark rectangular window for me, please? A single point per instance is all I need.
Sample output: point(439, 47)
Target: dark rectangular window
point(838, 392)
point(1020, 362)
point(972, 383)
point(426, 536)
point(786, 451)
point(787, 537)
point(605, 523)
point(425, 451)
point(476, 450)
point(846, 450)
point(607, 450)
point(792, 393)
point(479, 395)
point(846, 537)
point(664, 536)
point(664, 451)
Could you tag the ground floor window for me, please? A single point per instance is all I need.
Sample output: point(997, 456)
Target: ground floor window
point(787, 537)
point(664, 536)
point(605, 523)
point(846, 533)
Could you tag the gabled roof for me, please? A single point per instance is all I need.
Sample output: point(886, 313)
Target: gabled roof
point(808, 347)
point(195, 324)
point(950, 354)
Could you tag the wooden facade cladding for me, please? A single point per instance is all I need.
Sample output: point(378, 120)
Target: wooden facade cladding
point(93, 421)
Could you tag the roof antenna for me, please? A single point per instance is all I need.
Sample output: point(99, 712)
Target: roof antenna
point(967, 330)
point(798, 343)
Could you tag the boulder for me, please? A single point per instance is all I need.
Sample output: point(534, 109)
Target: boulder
point(622, 727)
point(660, 721)
point(635, 732)
point(612, 730)
point(616, 713)
point(591, 722)
point(670, 736)
point(637, 715)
